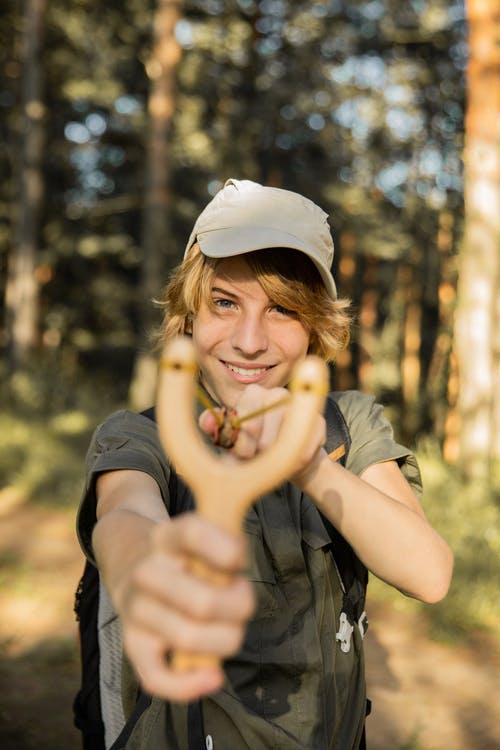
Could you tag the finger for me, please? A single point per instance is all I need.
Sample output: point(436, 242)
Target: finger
point(172, 582)
point(265, 427)
point(222, 638)
point(273, 421)
point(208, 423)
point(193, 536)
point(147, 654)
point(247, 442)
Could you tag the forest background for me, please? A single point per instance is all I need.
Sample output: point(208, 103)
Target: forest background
point(118, 124)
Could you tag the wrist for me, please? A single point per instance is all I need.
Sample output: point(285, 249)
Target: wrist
point(306, 478)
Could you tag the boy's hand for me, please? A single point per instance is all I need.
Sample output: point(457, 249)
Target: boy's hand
point(164, 607)
point(259, 433)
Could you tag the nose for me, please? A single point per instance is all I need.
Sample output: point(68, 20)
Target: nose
point(250, 334)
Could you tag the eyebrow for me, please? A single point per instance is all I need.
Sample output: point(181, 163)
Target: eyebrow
point(221, 290)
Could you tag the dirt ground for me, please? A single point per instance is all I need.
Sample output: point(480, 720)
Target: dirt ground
point(426, 695)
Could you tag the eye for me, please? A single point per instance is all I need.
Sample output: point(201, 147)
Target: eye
point(284, 311)
point(223, 303)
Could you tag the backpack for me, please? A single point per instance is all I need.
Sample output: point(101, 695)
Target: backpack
point(90, 715)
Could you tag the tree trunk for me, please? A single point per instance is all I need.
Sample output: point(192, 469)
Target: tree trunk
point(344, 372)
point(441, 383)
point(158, 254)
point(22, 288)
point(477, 329)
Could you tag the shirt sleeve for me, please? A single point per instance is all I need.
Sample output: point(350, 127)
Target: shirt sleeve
point(372, 438)
point(124, 441)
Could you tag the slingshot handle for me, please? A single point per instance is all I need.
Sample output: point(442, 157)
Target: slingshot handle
point(224, 490)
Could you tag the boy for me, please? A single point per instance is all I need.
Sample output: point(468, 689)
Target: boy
point(256, 295)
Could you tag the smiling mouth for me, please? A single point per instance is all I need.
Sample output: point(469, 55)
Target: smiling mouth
point(246, 371)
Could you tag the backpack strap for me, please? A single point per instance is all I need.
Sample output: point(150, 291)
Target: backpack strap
point(87, 714)
point(338, 437)
point(143, 702)
point(196, 726)
point(353, 574)
point(150, 413)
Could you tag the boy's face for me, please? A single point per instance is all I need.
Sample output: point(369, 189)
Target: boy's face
point(247, 338)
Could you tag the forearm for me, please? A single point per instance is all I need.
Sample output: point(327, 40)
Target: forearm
point(393, 540)
point(121, 538)
point(129, 507)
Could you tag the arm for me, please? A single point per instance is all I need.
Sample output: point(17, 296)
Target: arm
point(377, 512)
point(143, 558)
point(382, 519)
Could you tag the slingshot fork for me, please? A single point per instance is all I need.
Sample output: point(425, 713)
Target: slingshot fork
point(224, 489)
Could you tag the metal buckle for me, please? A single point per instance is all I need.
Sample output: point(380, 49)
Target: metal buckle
point(344, 633)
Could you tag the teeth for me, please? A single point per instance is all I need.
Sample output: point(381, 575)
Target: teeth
point(244, 371)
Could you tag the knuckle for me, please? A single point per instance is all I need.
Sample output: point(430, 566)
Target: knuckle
point(249, 605)
point(202, 606)
point(245, 447)
point(192, 531)
point(135, 609)
point(139, 576)
point(129, 642)
point(186, 638)
point(137, 645)
point(233, 639)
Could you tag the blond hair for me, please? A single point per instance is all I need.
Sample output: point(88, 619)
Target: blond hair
point(288, 278)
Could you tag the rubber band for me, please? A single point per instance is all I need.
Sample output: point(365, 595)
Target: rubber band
point(236, 420)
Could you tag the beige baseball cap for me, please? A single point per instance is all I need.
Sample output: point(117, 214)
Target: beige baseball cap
point(245, 216)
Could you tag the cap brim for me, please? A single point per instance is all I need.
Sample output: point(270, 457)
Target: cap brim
point(226, 243)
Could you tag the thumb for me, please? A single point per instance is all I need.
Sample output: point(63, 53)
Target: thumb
point(208, 423)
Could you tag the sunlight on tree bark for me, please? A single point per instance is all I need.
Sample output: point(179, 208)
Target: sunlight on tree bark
point(477, 320)
point(22, 288)
point(158, 254)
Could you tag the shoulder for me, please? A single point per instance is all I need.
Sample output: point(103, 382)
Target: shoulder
point(372, 436)
point(356, 406)
point(126, 440)
point(125, 423)
point(125, 428)
point(364, 417)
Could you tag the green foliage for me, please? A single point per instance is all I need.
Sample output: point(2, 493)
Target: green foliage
point(468, 517)
point(41, 460)
point(47, 417)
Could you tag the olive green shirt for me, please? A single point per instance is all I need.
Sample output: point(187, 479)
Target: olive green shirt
point(290, 687)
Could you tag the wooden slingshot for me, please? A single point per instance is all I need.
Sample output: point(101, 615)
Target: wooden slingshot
point(224, 489)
